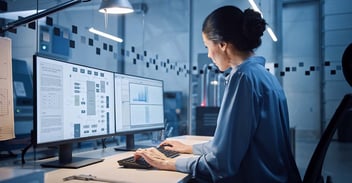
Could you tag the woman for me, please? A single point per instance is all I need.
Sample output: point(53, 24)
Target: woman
point(251, 142)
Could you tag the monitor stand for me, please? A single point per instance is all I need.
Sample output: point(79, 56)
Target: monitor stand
point(130, 145)
point(67, 161)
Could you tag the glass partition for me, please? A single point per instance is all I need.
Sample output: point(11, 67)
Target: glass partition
point(155, 44)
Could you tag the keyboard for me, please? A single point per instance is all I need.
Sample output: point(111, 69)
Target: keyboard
point(140, 163)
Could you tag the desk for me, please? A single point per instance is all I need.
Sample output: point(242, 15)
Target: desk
point(16, 175)
point(110, 170)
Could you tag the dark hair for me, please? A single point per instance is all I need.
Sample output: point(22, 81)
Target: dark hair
point(229, 24)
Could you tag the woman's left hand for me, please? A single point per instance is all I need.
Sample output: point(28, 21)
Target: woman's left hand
point(156, 159)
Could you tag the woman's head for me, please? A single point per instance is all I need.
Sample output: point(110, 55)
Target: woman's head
point(230, 25)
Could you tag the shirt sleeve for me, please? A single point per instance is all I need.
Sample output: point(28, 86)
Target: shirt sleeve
point(186, 165)
point(201, 148)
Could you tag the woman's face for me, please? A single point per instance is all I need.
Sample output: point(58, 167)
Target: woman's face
point(216, 52)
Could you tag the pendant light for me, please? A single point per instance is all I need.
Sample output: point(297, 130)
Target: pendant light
point(115, 7)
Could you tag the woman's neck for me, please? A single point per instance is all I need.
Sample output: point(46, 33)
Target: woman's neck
point(239, 57)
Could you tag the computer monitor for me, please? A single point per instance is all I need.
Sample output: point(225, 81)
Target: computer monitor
point(73, 103)
point(139, 106)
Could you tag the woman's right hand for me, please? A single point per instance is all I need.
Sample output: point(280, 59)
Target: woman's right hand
point(178, 146)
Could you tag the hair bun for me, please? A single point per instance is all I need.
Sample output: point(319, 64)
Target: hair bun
point(253, 24)
point(229, 24)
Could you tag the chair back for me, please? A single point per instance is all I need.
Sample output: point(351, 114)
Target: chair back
point(313, 173)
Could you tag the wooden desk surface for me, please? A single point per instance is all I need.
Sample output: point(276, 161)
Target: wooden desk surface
point(110, 170)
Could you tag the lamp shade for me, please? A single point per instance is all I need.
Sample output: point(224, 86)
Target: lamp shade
point(115, 7)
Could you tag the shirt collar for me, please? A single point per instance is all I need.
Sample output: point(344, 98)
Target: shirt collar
point(253, 59)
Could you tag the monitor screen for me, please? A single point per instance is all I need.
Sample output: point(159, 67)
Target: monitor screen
point(139, 105)
point(72, 102)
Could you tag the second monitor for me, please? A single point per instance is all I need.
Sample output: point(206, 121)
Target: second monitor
point(139, 106)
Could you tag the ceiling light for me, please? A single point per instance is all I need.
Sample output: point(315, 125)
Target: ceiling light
point(270, 31)
point(106, 35)
point(255, 7)
point(115, 7)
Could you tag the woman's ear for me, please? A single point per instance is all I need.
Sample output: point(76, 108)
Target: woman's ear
point(223, 46)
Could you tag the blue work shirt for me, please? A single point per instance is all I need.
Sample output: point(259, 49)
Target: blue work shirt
point(251, 141)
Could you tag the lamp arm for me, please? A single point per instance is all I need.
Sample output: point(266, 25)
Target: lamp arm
point(39, 15)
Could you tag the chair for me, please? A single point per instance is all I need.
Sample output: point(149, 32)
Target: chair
point(313, 173)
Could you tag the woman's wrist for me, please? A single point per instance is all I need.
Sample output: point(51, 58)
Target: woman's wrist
point(190, 149)
point(170, 164)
